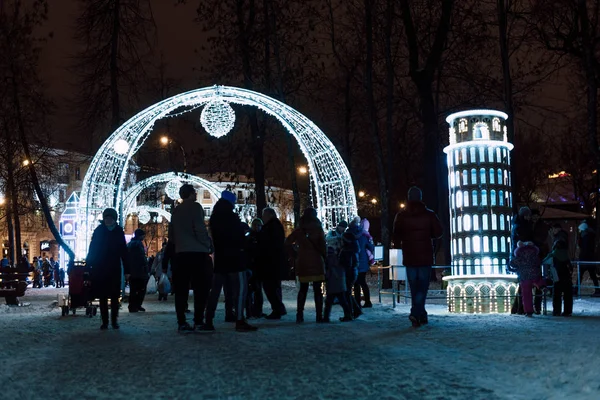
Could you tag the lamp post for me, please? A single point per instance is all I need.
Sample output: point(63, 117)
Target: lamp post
point(166, 141)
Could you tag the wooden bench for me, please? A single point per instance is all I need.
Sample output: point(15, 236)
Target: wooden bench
point(13, 284)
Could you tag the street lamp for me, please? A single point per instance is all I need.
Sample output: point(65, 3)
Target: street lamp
point(361, 194)
point(303, 170)
point(402, 205)
point(25, 162)
point(165, 141)
point(374, 200)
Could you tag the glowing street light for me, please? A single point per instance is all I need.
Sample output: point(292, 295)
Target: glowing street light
point(402, 205)
point(164, 140)
point(361, 194)
point(25, 163)
point(303, 170)
point(374, 200)
point(2, 201)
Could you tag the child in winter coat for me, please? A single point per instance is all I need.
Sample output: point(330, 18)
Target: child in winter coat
point(526, 264)
point(335, 276)
point(563, 284)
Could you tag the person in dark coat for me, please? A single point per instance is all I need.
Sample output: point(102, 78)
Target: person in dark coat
point(107, 251)
point(272, 261)
point(365, 245)
point(415, 228)
point(335, 276)
point(526, 263)
point(138, 265)
point(254, 300)
point(230, 264)
point(563, 283)
point(348, 259)
point(309, 240)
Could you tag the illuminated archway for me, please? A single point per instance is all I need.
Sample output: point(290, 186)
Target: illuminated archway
point(107, 178)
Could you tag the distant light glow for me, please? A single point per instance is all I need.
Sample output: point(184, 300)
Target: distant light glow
point(164, 140)
point(172, 188)
point(374, 201)
point(217, 118)
point(303, 170)
point(25, 163)
point(361, 194)
point(144, 217)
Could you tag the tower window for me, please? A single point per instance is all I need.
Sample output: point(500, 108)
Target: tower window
point(501, 198)
point(476, 244)
point(475, 222)
point(464, 177)
point(494, 222)
point(486, 244)
point(498, 154)
point(484, 222)
point(466, 198)
point(473, 176)
point(499, 177)
point(482, 176)
point(492, 197)
point(472, 154)
point(502, 225)
point(467, 246)
point(491, 154)
point(484, 201)
point(459, 199)
point(467, 222)
point(493, 176)
point(474, 196)
point(482, 154)
point(463, 155)
point(495, 244)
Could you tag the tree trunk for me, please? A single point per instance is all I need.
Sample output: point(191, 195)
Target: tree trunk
point(374, 134)
point(14, 200)
point(503, 9)
point(114, 67)
point(389, 117)
point(31, 168)
point(11, 232)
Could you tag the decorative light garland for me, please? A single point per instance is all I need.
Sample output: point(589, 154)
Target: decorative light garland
point(107, 178)
point(144, 217)
point(217, 118)
point(172, 188)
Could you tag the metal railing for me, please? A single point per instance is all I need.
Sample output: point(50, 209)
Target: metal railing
point(397, 292)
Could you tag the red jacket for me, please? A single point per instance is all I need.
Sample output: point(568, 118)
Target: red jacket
point(414, 231)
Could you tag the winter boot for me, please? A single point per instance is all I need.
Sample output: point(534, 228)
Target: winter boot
point(327, 310)
point(319, 304)
point(300, 307)
point(243, 326)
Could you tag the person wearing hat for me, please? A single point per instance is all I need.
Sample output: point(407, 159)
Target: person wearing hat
point(334, 237)
point(228, 236)
point(415, 228)
point(138, 279)
point(107, 251)
point(188, 237)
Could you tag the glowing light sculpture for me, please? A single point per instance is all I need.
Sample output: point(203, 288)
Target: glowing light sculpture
point(479, 152)
point(107, 177)
point(217, 118)
point(172, 189)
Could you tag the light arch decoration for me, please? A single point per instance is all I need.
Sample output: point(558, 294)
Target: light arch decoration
point(130, 196)
point(138, 209)
point(107, 178)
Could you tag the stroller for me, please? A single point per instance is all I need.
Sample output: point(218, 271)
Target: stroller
point(80, 293)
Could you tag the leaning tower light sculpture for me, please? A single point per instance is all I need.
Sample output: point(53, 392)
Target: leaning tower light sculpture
point(480, 212)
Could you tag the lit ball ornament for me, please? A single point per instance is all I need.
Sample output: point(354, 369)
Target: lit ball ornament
point(172, 188)
point(121, 147)
point(217, 118)
point(144, 217)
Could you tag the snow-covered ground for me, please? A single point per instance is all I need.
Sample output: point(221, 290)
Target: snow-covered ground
point(379, 356)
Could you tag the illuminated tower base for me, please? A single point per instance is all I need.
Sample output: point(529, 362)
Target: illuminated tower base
point(480, 202)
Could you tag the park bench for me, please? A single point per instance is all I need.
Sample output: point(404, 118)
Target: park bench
point(13, 284)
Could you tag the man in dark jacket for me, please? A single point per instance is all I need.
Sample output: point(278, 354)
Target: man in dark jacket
point(106, 253)
point(272, 261)
point(138, 265)
point(230, 266)
point(414, 231)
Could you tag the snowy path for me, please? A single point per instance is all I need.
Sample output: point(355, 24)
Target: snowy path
point(378, 356)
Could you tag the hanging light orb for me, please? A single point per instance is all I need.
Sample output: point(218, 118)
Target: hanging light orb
point(144, 217)
point(217, 118)
point(172, 189)
point(121, 147)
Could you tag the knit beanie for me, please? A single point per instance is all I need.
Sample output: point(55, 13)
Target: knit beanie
point(415, 194)
point(229, 196)
point(138, 233)
point(110, 212)
point(524, 212)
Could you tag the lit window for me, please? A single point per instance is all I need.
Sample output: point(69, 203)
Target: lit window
point(499, 177)
point(475, 222)
point(454, 246)
point(482, 176)
point(469, 267)
point(455, 157)
point(462, 125)
point(492, 197)
point(463, 155)
point(464, 177)
point(473, 153)
point(486, 244)
point(498, 155)
point(484, 198)
point(459, 228)
point(206, 195)
point(493, 176)
point(510, 199)
point(503, 244)
point(502, 222)
point(504, 153)
point(459, 199)
point(476, 244)
point(501, 198)
point(466, 198)
point(449, 160)
point(474, 197)
point(452, 180)
point(467, 222)
point(491, 154)
point(452, 200)
point(482, 154)
point(457, 174)
point(460, 249)
point(473, 176)
point(477, 264)
point(496, 124)
point(494, 222)
point(495, 244)
point(505, 177)
point(467, 246)
point(481, 131)
point(484, 222)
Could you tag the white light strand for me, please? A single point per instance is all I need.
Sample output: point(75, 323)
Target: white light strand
point(107, 178)
point(172, 188)
point(144, 217)
point(217, 118)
